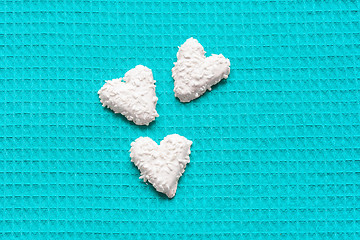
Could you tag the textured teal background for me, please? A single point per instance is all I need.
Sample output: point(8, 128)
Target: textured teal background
point(276, 151)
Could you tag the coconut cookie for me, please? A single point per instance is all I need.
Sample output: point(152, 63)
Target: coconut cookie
point(161, 165)
point(133, 96)
point(194, 73)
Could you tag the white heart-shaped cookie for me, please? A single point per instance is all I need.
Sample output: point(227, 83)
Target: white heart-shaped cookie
point(194, 73)
point(133, 96)
point(161, 165)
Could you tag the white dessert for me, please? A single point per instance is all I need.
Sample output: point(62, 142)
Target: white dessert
point(133, 96)
point(194, 73)
point(161, 165)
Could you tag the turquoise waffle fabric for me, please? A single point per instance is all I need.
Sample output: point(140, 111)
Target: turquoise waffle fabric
point(276, 151)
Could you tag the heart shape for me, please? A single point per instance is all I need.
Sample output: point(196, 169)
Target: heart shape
point(133, 96)
point(161, 165)
point(194, 73)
